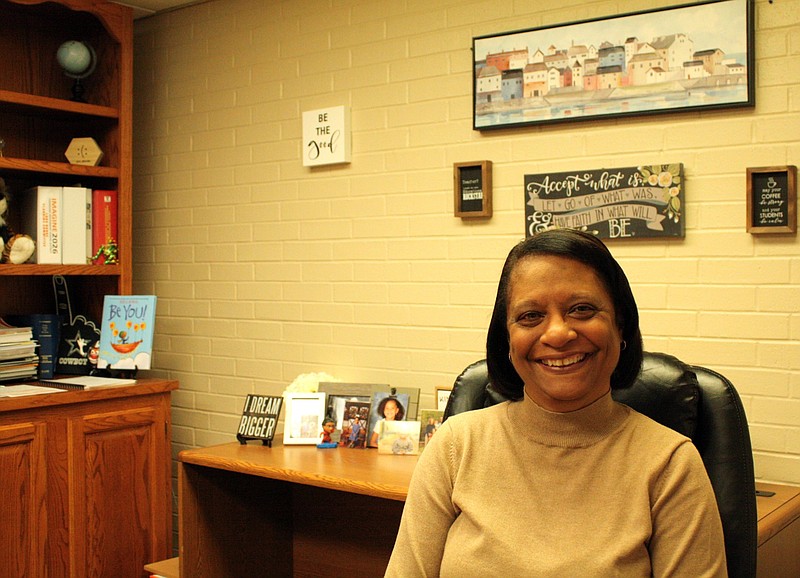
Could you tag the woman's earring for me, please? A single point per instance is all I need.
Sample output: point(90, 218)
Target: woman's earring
point(623, 346)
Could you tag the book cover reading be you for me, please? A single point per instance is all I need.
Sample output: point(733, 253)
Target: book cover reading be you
point(126, 332)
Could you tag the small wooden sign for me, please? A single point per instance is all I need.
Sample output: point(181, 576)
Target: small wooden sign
point(84, 151)
point(472, 188)
point(772, 200)
point(259, 418)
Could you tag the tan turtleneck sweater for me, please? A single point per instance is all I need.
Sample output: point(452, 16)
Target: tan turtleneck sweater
point(515, 490)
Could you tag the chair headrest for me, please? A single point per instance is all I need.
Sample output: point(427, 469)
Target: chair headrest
point(666, 390)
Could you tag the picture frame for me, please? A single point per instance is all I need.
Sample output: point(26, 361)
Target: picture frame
point(338, 389)
point(671, 59)
point(304, 414)
point(772, 200)
point(400, 407)
point(338, 393)
point(472, 189)
point(399, 438)
point(442, 397)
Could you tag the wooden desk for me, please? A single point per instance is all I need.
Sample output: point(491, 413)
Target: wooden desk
point(779, 532)
point(288, 511)
point(302, 511)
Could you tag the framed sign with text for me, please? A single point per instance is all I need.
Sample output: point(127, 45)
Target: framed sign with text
point(772, 200)
point(259, 418)
point(472, 189)
point(627, 202)
point(326, 136)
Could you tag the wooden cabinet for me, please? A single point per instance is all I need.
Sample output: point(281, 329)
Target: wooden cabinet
point(85, 482)
point(38, 121)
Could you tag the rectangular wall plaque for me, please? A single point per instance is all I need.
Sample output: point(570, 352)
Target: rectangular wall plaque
point(772, 200)
point(618, 203)
point(472, 188)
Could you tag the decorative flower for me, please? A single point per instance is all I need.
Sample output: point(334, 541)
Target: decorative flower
point(308, 382)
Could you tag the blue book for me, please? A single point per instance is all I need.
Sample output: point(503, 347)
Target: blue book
point(126, 332)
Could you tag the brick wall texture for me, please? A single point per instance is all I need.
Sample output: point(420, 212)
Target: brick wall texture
point(266, 269)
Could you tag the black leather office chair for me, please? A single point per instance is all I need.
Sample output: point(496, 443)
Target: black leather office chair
point(695, 401)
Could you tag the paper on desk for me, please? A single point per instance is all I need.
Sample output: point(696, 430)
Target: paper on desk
point(23, 389)
point(89, 382)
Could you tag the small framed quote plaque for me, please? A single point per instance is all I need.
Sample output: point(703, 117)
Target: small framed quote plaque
point(772, 200)
point(472, 188)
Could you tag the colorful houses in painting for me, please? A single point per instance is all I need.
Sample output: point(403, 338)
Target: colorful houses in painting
point(509, 76)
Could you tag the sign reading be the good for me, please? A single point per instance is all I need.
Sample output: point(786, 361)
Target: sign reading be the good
point(326, 136)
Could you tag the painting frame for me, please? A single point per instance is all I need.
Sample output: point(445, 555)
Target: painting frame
point(442, 396)
point(575, 71)
point(304, 414)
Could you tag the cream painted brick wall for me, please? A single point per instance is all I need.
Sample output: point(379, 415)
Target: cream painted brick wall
point(266, 269)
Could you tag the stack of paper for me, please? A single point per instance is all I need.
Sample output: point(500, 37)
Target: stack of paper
point(18, 359)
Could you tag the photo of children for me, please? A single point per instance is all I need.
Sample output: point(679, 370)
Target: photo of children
point(385, 407)
point(354, 424)
point(430, 419)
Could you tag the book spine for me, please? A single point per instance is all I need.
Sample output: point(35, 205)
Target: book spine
point(43, 221)
point(74, 226)
point(104, 221)
point(88, 240)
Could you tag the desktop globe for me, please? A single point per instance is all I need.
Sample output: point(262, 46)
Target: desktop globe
point(78, 60)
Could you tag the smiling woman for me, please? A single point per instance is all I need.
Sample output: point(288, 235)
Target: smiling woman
point(562, 480)
point(562, 333)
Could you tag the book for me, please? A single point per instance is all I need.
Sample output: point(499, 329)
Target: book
point(44, 329)
point(89, 382)
point(74, 225)
point(126, 331)
point(104, 220)
point(14, 333)
point(41, 219)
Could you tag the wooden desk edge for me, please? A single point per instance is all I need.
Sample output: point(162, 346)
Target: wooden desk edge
point(385, 491)
point(784, 514)
point(167, 568)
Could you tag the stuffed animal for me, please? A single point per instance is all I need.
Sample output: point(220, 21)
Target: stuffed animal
point(13, 247)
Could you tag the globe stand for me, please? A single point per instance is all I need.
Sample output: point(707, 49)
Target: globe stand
point(78, 59)
point(77, 91)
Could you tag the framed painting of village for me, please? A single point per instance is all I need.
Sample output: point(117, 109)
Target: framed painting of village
point(674, 59)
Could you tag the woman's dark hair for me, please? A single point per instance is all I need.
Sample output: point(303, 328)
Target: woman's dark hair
point(401, 411)
point(586, 249)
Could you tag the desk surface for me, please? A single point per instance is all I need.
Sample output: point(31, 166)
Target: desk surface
point(358, 471)
point(778, 511)
point(387, 476)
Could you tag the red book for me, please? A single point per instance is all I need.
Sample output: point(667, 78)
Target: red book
point(104, 221)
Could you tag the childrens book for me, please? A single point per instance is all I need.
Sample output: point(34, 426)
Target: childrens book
point(126, 332)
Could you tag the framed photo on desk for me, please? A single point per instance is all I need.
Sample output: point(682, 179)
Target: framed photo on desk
point(304, 414)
